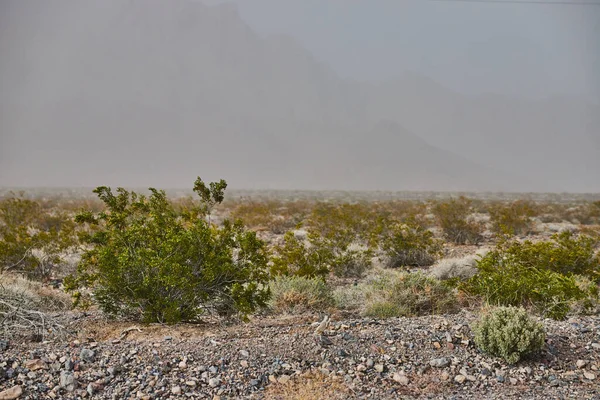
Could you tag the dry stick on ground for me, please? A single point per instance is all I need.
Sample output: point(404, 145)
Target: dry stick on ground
point(125, 332)
point(18, 318)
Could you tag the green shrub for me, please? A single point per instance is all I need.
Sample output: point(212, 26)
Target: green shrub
point(541, 275)
point(152, 262)
point(513, 218)
point(453, 218)
point(509, 333)
point(409, 294)
point(318, 257)
point(296, 294)
point(410, 244)
point(295, 257)
point(32, 240)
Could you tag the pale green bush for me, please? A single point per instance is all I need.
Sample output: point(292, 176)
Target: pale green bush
point(509, 333)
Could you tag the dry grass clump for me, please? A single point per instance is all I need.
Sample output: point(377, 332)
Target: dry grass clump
point(451, 268)
point(32, 294)
point(309, 386)
point(298, 294)
point(386, 294)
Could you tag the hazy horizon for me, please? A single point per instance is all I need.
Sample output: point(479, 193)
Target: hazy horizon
point(309, 95)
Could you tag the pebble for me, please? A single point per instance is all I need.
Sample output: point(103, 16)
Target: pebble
point(87, 355)
point(460, 378)
point(34, 365)
point(589, 375)
point(283, 379)
point(214, 382)
point(67, 381)
point(401, 378)
point(439, 362)
point(581, 363)
point(379, 368)
point(176, 390)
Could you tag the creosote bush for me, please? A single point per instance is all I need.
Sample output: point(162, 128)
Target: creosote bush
point(147, 260)
point(33, 239)
point(298, 258)
point(318, 256)
point(513, 218)
point(410, 244)
point(297, 294)
point(542, 275)
point(509, 333)
point(453, 217)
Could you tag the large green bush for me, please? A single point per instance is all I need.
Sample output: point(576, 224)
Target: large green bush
point(542, 275)
point(148, 260)
point(509, 333)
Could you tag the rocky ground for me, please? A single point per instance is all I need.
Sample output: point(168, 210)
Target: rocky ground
point(426, 357)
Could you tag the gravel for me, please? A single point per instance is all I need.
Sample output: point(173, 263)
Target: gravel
point(425, 357)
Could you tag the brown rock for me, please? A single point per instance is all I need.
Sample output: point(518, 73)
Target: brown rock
point(12, 393)
point(34, 365)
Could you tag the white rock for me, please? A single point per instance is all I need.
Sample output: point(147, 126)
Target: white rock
point(401, 379)
point(589, 375)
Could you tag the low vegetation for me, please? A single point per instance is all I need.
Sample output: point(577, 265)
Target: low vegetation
point(541, 275)
point(454, 217)
point(509, 333)
point(298, 294)
point(513, 218)
point(410, 245)
point(148, 257)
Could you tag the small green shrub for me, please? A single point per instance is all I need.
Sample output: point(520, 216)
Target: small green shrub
point(296, 294)
point(410, 244)
point(513, 218)
point(541, 275)
point(149, 261)
point(318, 256)
point(295, 257)
point(509, 333)
point(453, 217)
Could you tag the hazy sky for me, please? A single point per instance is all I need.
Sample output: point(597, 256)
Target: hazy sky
point(527, 49)
point(378, 94)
